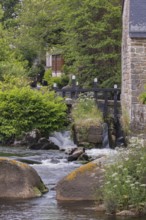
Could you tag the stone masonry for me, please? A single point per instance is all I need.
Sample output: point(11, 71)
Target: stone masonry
point(133, 74)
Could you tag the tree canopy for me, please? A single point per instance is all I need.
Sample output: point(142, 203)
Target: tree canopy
point(87, 32)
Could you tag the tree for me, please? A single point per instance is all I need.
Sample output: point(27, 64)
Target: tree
point(87, 32)
point(37, 30)
point(8, 7)
point(10, 63)
point(92, 39)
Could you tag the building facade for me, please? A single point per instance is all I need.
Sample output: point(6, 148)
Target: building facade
point(134, 62)
point(55, 62)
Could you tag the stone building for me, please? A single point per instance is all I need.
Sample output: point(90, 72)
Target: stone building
point(134, 62)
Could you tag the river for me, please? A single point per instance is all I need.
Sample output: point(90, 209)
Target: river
point(53, 167)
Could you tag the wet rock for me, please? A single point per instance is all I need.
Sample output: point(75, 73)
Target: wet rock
point(84, 157)
point(19, 180)
point(44, 146)
point(32, 137)
point(70, 151)
point(90, 136)
point(28, 138)
point(28, 161)
point(101, 208)
point(126, 213)
point(43, 140)
point(36, 146)
point(84, 183)
point(75, 154)
point(50, 146)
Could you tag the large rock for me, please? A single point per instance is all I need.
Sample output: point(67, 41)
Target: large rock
point(88, 135)
point(44, 144)
point(19, 180)
point(32, 136)
point(78, 154)
point(28, 138)
point(84, 183)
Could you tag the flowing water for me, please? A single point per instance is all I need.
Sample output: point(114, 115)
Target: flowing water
point(53, 166)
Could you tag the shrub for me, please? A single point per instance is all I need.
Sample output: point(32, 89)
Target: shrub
point(23, 109)
point(61, 81)
point(125, 181)
point(85, 111)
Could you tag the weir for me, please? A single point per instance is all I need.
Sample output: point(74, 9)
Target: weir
point(107, 100)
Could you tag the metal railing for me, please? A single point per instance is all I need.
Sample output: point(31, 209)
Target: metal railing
point(102, 95)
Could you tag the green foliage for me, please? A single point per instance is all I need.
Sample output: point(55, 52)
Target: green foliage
point(88, 33)
point(61, 81)
point(38, 31)
point(23, 109)
point(92, 40)
point(10, 62)
point(125, 120)
point(125, 185)
point(142, 97)
point(9, 8)
point(85, 111)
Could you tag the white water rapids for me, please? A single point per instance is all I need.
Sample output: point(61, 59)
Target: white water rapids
point(63, 141)
point(52, 168)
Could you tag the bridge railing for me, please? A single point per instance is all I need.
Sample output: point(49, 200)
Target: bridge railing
point(103, 96)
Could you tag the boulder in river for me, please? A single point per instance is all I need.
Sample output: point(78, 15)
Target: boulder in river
point(78, 154)
point(84, 183)
point(19, 180)
point(32, 137)
point(44, 144)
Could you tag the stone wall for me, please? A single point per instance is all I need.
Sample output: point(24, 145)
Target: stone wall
point(133, 74)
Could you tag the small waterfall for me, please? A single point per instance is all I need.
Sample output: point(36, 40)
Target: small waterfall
point(62, 140)
point(120, 139)
point(105, 141)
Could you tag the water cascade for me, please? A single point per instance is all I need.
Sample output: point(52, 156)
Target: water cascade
point(63, 140)
point(105, 141)
point(120, 139)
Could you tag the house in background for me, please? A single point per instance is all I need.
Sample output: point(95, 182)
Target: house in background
point(55, 62)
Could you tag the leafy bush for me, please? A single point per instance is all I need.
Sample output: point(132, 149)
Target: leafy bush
point(85, 111)
point(23, 109)
point(61, 81)
point(125, 181)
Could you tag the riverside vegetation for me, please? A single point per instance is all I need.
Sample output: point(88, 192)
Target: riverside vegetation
point(23, 109)
point(125, 180)
point(143, 97)
point(124, 185)
point(85, 112)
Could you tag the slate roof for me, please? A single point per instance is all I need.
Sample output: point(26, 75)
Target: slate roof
point(137, 22)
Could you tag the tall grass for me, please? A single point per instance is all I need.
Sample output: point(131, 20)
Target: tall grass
point(85, 111)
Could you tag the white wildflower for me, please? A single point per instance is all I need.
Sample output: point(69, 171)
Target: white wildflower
point(114, 174)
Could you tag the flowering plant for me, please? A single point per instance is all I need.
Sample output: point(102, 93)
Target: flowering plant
point(125, 180)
